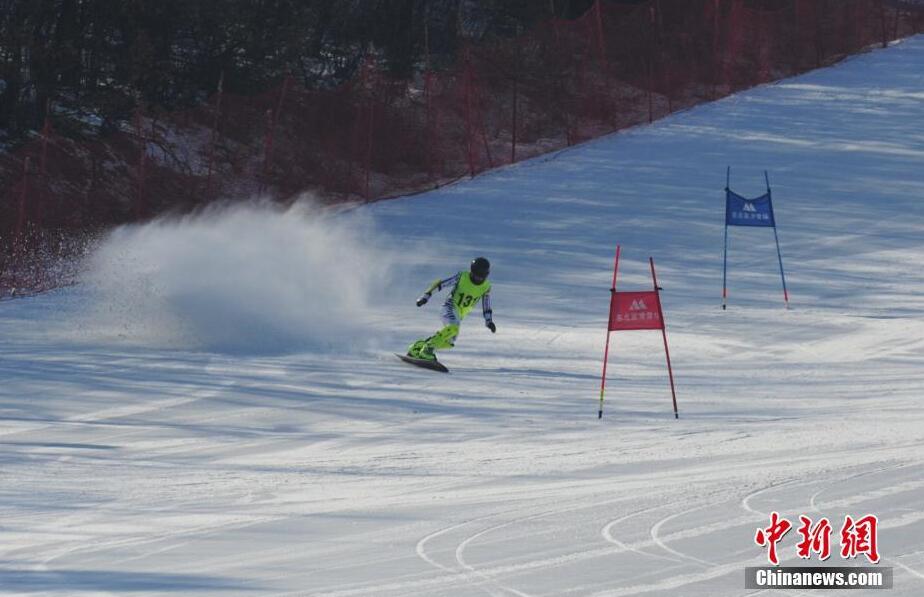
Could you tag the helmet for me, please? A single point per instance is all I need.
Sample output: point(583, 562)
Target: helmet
point(480, 269)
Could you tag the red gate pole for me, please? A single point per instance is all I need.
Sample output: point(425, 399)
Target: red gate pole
point(667, 353)
point(606, 351)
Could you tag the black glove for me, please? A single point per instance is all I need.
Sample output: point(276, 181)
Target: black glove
point(490, 325)
point(423, 300)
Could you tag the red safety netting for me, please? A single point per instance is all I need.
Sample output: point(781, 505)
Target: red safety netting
point(500, 102)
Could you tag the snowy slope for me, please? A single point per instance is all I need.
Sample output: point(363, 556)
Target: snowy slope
point(217, 412)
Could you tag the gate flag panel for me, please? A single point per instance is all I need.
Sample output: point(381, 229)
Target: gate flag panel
point(741, 211)
point(635, 311)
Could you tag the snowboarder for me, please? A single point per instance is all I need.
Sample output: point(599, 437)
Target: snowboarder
point(467, 288)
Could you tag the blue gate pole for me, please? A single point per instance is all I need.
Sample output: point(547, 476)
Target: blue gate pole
point(776, 237)
point(782, 275)
point(725, 249)
point(725, 268)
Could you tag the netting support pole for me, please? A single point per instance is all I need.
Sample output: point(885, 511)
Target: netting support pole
point(46, 132)
point(602, 97)
point(651, 58)
point(369, 140)
point(895, 24)
point(516, 67)
point(468, 114)
point(430, 125)
point(214, 136)
point(606, 351)
point(715, 48)
point(819, 47)
point(23, 199)
point(272, 119)
point(428, 91)
point(670, 371)
point(142, 157)
point(19, 240)
point(882, 23)
point(513, 141)
point(601, 44)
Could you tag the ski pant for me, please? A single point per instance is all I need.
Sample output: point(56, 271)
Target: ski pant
point(445, 337)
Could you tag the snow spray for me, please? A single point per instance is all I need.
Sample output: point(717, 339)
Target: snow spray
point(246, 278)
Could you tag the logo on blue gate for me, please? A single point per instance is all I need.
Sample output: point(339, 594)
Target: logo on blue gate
point(741, 211)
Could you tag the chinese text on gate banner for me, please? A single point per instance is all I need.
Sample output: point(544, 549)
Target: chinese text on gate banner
point(740, 211)
point(635, 311)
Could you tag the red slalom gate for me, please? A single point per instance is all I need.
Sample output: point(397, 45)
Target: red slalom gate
point(636, 310)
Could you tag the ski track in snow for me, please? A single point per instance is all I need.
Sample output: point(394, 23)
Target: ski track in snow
point(128, 468)
point(655, 532)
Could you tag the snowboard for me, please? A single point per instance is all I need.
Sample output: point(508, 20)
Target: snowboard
point(424, 363)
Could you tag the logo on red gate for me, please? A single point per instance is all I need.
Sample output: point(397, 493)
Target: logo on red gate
point(636, 311)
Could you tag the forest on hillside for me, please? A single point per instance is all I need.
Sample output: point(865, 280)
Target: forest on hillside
point(97, 60)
